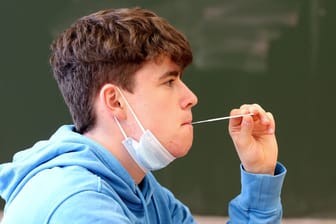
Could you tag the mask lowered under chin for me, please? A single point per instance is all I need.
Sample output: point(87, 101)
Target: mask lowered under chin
point(148, 153)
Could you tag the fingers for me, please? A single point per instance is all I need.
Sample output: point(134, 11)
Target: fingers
point(260, 118)
point(271, 128)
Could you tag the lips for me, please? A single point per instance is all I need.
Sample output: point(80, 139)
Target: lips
point(187, 119)
point(188, 122)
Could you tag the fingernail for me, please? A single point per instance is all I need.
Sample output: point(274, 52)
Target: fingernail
point(265, 120)
point(246, 122)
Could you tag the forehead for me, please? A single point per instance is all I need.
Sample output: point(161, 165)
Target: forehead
point(153, 72)
point(159, 68)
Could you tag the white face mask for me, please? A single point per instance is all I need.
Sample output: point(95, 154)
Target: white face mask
point(148, 153)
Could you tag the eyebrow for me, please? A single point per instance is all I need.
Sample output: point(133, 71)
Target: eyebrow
point(173, 73)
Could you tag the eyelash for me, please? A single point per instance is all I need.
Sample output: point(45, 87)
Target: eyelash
point(170, 82)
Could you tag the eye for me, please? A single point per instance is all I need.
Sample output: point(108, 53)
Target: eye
point(170, 82)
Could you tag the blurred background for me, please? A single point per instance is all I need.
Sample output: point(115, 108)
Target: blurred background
point(280, 54)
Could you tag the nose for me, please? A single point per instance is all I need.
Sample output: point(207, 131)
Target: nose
point(189, 99)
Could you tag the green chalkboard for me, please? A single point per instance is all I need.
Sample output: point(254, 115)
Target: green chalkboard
point(280, 54)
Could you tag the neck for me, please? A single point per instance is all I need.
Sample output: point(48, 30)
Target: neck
point(112, 141)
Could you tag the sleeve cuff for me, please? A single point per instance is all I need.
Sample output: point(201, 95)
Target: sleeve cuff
point(262, 191)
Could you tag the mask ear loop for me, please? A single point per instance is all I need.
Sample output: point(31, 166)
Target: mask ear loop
point(121, 129)
point(132, 112)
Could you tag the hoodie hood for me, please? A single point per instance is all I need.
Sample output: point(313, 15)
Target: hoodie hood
point(68, 148)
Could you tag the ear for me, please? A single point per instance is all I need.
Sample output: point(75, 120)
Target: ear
point(110, 97)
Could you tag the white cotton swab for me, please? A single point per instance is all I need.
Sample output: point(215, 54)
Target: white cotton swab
point(221, 118)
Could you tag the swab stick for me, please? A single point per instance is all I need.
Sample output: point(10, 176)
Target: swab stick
point(220, 118)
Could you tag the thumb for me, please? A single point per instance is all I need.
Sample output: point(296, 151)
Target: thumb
point(246, 130)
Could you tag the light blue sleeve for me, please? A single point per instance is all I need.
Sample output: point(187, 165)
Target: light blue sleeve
point(259, 200)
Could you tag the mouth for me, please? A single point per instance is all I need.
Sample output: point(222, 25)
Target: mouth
point(187, 119)
point(189, 122)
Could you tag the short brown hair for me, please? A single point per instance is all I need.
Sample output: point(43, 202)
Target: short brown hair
point(109, 46)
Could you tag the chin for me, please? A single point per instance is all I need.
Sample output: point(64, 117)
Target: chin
point(185, 152)
point(180, 144)
point(180, 151)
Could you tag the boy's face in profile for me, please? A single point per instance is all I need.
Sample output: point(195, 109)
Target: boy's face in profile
point(162, 103)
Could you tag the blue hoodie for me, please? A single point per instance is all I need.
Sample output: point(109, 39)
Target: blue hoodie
point(72, 179)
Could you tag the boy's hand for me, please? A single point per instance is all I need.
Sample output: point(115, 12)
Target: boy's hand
point(254, 139)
